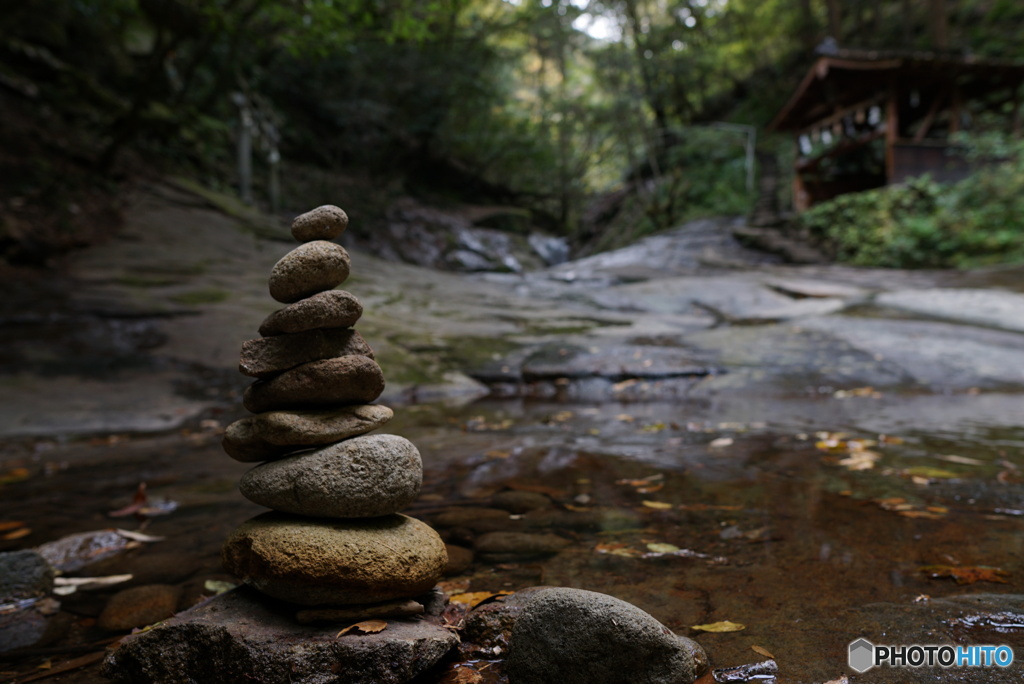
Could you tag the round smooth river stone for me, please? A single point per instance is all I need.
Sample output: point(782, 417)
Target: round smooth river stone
point(308, 269)
point(330, 309)
point(270, 435)
point(350, 379)
point(362, 477)
point(312, 561)
point(323, 223)
point(592, 638)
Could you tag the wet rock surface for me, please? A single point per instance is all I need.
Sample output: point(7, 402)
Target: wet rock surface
point(24, 575)
point(236, 638)
point(592, 638)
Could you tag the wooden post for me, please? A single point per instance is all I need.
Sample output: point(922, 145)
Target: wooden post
point(954, 112)
point(892, 124)
point(274, 159)
point(244, 152)
point(800, 200)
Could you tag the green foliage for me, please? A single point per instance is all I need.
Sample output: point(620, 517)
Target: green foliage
point(924, 224)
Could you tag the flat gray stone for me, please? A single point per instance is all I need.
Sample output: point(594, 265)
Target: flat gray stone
point(330, 382)
point(308, 269)
point(315, 562)
point(330, 309)
point(591, 638)
point(614, 362)
point(23, 575)
point(993, 308)
point(241, 638)
point(361, 477)
point(270, 435)
point(936, 355)
point(266, 357)
point(323, 223)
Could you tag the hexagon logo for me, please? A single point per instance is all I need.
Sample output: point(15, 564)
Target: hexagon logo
point(862, 655)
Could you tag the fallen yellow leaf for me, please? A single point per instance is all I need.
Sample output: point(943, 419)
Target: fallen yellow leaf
point(724, 626)
point(16, 534)
point(762, 651)
point(928, 515)
point(860, 460)
point(657, 505)
point(472, 598)
point(14, 475)
point(366, 627)
point(616, 549)
point(931, 473)
point(661, 547)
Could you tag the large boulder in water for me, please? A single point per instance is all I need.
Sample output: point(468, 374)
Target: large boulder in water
point(574, 636)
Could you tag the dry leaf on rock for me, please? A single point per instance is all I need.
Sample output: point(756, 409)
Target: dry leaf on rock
point(366, 627)
point(475, 598)
point(723, 626)
point(64, 586)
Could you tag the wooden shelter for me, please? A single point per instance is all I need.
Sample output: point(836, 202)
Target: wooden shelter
point(863, 119)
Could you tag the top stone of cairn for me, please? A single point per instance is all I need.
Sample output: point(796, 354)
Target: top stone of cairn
point(323, 223)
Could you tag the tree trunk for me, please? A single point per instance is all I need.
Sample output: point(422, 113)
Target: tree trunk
point(907, 19)
point(835, 20)
point(940, 24)
point(808, 27)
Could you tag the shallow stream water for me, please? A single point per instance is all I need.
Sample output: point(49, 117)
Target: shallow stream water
point(782, 515)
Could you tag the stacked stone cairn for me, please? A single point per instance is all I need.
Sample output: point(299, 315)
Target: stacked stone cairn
point(335, 537)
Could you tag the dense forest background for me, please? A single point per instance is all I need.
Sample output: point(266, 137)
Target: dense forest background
point(603, 118)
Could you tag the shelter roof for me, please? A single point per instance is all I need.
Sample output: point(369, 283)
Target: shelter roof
point(844, 78)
